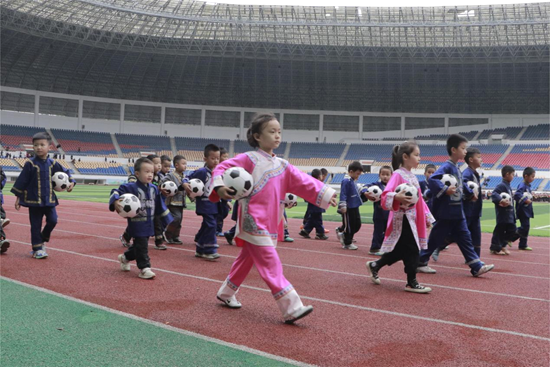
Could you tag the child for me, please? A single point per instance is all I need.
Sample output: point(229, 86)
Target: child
point(165, 167)
point(205, 239)
point(407, 232)
point(141, 227)
point(4, 243)
point(33, 189)
point(426, 193)
point(473, 203)
point(260, 216)
point(350, 201)
point(505, 230)
point(449, 213)
point(524, 207)
point(3, 179)
point(315, 219)
point(176, 203)
point(224, 206)
point(322, 178)
point(380, 216)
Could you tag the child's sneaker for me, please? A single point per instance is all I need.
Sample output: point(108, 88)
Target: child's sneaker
point(373, 272)
point(304, 234)
point(376, 253)
point(4, 245)
point(5, 222)
point(231, 302)
point(350, 247)
point(502, 253)
point(160, 246)
point(209, 257)
point(229, 238)
point(288, 239)
point(177, 241)
point(426, 270)
point(435, 254)
point(300, 313)
point(414, 287)
point(340, 236)
point(525, 248)
point(123, 241)
point(219, 234)
point(321, 237)
point(39, 254)
point(146, 273)
point(506, 252)
point(124, 264)
point(484, 269)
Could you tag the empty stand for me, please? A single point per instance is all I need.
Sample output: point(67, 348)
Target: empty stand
point(9, 165)
point(89, 143)
point(528, 155)
point(537, 132)
point(131, 145)
point(13, 136)
point(508, 132)
point(100, 168)
point(193, 148)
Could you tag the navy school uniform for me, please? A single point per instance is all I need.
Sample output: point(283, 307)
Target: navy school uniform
point(2, 184)
point(33, 187)
point(450, 220)
point(314, 219)
point(350, 198)
point(473, 209)
point(223, 212)
point(426, 193)
point(505, 230)
point(524, 212)
point(379, 218)
point(141, 227)
point(234, 214)
point(205, 239)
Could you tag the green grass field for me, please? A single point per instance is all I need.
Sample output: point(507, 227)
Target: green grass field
point(540, 225)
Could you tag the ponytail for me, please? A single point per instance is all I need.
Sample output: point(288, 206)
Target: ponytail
point(396, 160)
point(398, 151)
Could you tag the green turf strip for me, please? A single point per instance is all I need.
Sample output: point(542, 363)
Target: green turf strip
point(101, 194)
point(41, 329)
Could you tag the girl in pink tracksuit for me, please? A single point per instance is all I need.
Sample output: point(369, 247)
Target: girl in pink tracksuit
point(260, 216)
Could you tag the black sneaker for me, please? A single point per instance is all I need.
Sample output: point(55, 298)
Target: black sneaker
point(414, 287)
point(373, 272)
point(4, 245)
point(229, 238)
point(321, 237)
point(177, 241)
point(304, 234)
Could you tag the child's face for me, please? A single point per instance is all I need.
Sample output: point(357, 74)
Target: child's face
point(460, 152)
point(224, 157)
point(412, 160)
point(270, 137)
point(475, 161)
point(212, 160)
point(157, 165)
point(41, 147)
point(384, 175)
point(322, 178)
point(166, 165)
point(429, 172)
point(509, 176)
point(181, 166)
point(145, 173)
point(529, 178)
point(354, 174)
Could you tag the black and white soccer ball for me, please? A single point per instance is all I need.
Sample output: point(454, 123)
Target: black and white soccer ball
point(449, 180)
point(170, 187)
point(527, 195)
point(291, 200)
point(410, 191)
point(507, 198)
point(473, 186)
point(239, 180)
point(60, 181)
point(376, 192)
point(197, 187)
point(131, 206)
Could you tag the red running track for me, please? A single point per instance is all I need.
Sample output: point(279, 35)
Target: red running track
point(500, 319)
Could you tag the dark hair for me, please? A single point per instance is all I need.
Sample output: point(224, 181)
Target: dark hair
point(507, 169)
point(528, 171)
point(210, 148)
point(223, 151)
point(385, 167)
point(316, 173)
point(428, 166)
point(152, 156)
point(165, 158)
point(256, 127)
point(355, 166)
point(178, 158)
point(454, 140)
point(41, 136)
point(140, 162)
point(470, 152)
point(324, 171)
point(398, 151)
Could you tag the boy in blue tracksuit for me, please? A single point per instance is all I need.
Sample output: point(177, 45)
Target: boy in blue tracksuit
point(449, 213)
point(505, 230)
point(141, 227)
point(350, 201)
point(524, 207)
point(380, 216)
point(315, 216)
point(224, 206)
point(33, 189)
point(205, 239)
point(473, 203)
point(429, 170)
point(4, 243)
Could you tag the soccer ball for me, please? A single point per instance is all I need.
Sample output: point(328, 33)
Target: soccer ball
point(449, 180)
point(376, 192)
point(170, 187)
point(237, 179)
point(507, 198)
point(197, 187)
point(60, 181)
point(291, 200)
point(411, 191)
point(473, 186)
point(131, 206)
point(527, 195)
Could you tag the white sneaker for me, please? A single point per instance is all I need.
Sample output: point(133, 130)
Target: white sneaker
point(350, 247)
point(340, 236)
point(426, 270)
point(146, 273)
point(231, 302)
point(124, 264)
point(39, 254)
point(5, 222)
point(484, 269)
point(209, 257)
point(300, 313)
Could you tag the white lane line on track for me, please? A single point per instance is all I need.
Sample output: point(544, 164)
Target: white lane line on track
point(161, 325)
point(303, 250)
point(336, 303)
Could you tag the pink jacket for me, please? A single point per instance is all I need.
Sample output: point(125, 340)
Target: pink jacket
point(418, 216)
point(260, 216)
